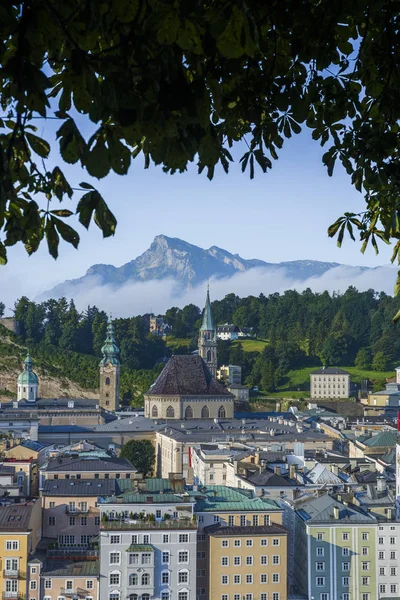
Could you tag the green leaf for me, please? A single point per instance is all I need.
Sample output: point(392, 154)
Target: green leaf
point(229, 42)
point(86, 206)
point(333, 229)
point(98, 161)
point(104, 219)
point(397, 290)
point(3, 254)
point(52, 237)
point(86, 186)
point(72, 144)
point(168, 30)
point(67, 233)
point(38, 145)
point(340, 235)
point(62, 212)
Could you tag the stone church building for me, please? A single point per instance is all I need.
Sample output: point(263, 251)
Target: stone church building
point(187, 388)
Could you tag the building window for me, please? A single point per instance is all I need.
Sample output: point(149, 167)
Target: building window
point(345, 551)
point(345, 536)
point(249, 542)
point(183, 538)
point(320, 581)
point(381, 555)
point(276, 559)
point(47, 584)
point(364, 536)
point(324, 596)
point(393, 570)
point(89, 584)
point(146, 558)
point(165, 577)
point(85, 539)
point(224, 561)
point(264, 542)
point(115, 578)
point(393, 554)
point(320, 551)
point(154, 411)
point(165, 557)
point(72, 521)
point(108, 381)
point(345, 566)
point(165, 538)
point(365, 551)
point(205, 413)
point(320, 566)
point(264, 559)
point(183, 556)
point(382, 588)
point(224, 543)
point(134, 559)
point(237, 543)
point(242, 520)
point(237, 561)
point(381, 570)
point(146, 539)
point(115, 539)
point(237, 579)
point(393, 588)
point(275, 577)
point(255, 520)
point(52, 504)
point(380, 540)
point(170, 412)
point(224, 579)
point(345, 581)
point(181, 596)
point(115, 558)
point(263, 596)
point(392, 540)
point(165, 596)
point(221, 412)
point(249, 560)
point(231, 520)
point(83, 521)
point(201, 555)
point(276, 596)
point(249, 578)
point(264, 578)
point(145, 579)
point(33, 585)
point(276, 542)
point(320, 536)
point(183, 577)
point(189, 412)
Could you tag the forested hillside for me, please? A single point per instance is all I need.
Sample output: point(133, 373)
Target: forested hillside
point(299, 329)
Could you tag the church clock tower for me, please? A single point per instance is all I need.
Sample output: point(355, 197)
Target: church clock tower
point(109, 372)
point(208, 338)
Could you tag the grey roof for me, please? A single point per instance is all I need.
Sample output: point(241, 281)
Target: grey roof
point(187, 375)
point(86, 487)
point(56, 403)
point(320, 510)
point(31, 445)
point(15, 517)
point(70, 463)
point(269, 479)
point(321, 474)
point(330, 371)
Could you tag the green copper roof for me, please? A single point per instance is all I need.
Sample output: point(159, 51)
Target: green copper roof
point(110, 349)
point(140, 548)
point(208, 322)
point(382, 439)
point(28, 377)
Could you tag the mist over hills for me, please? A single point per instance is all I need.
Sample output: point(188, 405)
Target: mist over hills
point(189, 266)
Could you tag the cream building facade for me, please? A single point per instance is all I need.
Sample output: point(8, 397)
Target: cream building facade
point(329, 382)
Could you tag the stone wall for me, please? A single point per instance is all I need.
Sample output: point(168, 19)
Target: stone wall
point(10, 323)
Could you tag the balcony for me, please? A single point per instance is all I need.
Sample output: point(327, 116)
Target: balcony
point(76, 511)
point(13, 574)
point(13, 595)
point(78, 593)
point(168, 524)
point(73, 553)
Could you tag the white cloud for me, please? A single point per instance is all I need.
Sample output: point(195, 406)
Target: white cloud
point(156, 296)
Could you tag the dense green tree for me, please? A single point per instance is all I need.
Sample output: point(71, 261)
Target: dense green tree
point(2, 309)
point(380, 362)
point(141, 454)
point(363, 359)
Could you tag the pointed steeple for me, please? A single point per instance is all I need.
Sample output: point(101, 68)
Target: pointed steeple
point(208, 321)
point(110, 349)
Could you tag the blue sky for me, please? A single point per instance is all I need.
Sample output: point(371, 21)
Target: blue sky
point(283, 215)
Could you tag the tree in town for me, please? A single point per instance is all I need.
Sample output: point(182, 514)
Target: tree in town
point(141, 454)
point(363, 359)
point(181, 82)
point(380, 362)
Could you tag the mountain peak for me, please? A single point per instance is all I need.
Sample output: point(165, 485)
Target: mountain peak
point(187, 264)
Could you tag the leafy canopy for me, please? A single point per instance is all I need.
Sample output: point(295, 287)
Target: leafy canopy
point(141, 454)
point(183, 81)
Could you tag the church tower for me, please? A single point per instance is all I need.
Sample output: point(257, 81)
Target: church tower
point(28, 382)
point(109, 372)
point(208, 338)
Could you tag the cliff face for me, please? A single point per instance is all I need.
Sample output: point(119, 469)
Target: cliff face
point(187, 264)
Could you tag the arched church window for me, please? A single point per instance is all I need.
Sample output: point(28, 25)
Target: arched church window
point(205, 413)
point(208, 355)
point(222, 412)
point(170, 412)
point(154, 411)
point(189, 412)
point(108, 381)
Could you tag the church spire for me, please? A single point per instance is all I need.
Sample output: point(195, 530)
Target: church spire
point(110, 349)
point(109, 372)
point(208, 338)
point(208, 321)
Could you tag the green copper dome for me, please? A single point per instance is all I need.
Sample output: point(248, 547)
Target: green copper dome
point(28, 377)
point(208, 322)
point(110, 349)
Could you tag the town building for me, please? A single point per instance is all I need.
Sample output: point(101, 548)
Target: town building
point(329, 382)
point(242, 546)
point(230, 374)
point(148, 545)
point(228, 332)
point(158, 326)
point(241, 392)
point(84, 467)
point(20, 532)
point(208, 339)
point(333, 549)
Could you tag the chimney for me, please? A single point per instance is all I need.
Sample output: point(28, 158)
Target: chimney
point(292, 471)
point(336, 513)
point(381, 484)
point(277, 470)
point(335, 469)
